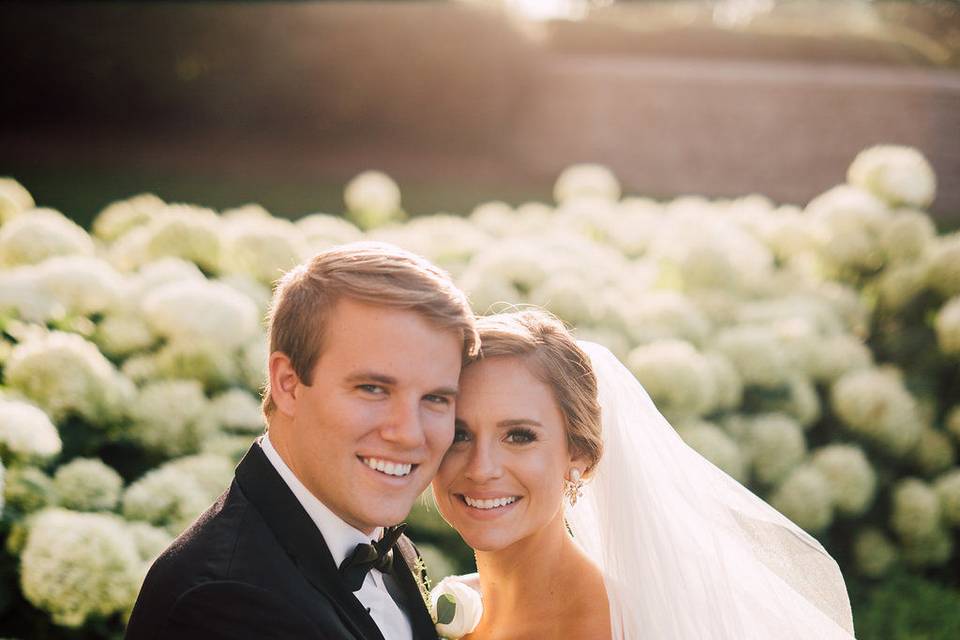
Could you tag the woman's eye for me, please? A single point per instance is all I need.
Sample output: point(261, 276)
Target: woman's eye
point(460, 436)
point(521, 436)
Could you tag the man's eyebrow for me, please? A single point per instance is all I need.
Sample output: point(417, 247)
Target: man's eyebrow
point(445, 391)
point(371, 376)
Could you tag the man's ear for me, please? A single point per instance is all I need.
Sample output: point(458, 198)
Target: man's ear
point(284, 383)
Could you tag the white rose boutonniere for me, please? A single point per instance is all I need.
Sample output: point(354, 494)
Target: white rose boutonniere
point(456, 607)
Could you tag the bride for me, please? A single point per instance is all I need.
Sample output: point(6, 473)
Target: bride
point(592, 520)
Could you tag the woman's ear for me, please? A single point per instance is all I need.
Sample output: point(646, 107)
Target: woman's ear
point(284, 383)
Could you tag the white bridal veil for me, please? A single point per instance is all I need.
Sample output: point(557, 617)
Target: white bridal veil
point(688, 552)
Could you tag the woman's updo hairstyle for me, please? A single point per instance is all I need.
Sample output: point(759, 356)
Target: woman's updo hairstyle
point(545, 345)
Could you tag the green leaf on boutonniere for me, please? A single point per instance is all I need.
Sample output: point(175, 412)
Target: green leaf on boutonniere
point(446, 609)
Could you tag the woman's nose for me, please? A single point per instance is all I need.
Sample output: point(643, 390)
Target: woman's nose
point(484, 464)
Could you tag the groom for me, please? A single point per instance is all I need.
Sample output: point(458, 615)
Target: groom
point(366, 343)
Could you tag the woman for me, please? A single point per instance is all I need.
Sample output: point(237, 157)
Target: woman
point(663, 545)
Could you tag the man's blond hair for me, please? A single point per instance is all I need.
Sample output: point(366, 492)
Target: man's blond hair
point(370, 272)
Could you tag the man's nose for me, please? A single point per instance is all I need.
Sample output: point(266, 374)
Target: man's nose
point(404, 426)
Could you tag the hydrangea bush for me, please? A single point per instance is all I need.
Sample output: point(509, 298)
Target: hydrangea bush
point(810, 352)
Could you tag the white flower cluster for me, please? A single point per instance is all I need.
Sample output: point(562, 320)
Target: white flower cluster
point(373, 200)
point(899, 175)
point(875, 405)
point(87, 484)
point(14, 199)
point(805, 497)
point(79, 566)
point(171, 417)
point(27, 489)
point(26, 433)
point(851, 478)
point(38, 234)
point(64, 374)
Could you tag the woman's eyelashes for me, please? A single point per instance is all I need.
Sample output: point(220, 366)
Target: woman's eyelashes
point(517, 435)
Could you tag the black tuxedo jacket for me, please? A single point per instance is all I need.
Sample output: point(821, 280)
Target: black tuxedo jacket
point(255, 566)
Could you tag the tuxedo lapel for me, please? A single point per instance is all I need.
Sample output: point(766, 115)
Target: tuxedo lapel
point(408, 582)
point(301, 539)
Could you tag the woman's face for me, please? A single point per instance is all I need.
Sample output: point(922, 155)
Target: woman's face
point(502, 479)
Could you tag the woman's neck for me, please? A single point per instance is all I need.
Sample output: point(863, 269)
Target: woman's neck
point(530, 578)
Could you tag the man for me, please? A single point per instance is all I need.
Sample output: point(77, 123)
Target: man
point(366, 344)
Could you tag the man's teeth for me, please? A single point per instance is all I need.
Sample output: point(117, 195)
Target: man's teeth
point(389, 468)
point(490, 504)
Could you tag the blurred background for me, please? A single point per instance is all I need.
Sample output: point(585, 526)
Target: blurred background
point(792, 304)
point(282, 102)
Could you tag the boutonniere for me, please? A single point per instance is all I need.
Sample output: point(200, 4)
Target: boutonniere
point(455, 607)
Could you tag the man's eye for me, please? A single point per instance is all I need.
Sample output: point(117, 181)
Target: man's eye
point(373, 389)
point(435, 399)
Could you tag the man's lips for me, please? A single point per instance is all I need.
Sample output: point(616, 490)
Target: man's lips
point(394, 468)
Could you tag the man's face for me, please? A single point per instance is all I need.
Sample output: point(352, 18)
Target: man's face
point(367, 435)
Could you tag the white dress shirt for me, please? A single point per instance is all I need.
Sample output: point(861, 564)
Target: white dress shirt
point(341, 539)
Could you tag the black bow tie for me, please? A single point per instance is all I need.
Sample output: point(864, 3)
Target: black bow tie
point(357, 565)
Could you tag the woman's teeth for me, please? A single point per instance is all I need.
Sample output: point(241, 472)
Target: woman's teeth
point(389, 468)
point(490, 504)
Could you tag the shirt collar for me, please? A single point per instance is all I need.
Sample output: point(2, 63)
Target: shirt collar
point(341, 538)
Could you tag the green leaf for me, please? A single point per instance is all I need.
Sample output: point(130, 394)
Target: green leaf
point(446, 609)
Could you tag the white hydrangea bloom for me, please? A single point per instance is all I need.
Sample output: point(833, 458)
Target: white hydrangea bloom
point(201, 360)
point(934, 452)
point(900, 175)
point(756, 353)
point(790, 234)
point(776, 445)
point(716, 446)
point(26, 432)
point(874, 404)
point(178, 230)
point(612, 339)
point(174, 494)
point(77, 566)
point(728, 383)
point(587, 216)
point(14, 198)
point(27, 489)
point(837, 355)
point(171, 417)
point(38, 234)
point(805, 498)
point(532, 219)
point(202, 311)
point(141, 368)
point(933, 550)
point(446, 240)
point(848, 304)
point(907, 235)
point(635, 225)
point(237, 410)
point(515, 264)
point(496, 218)
point(322, 231)
point(658, 315)
point(915, 509)
point(153, 275)
point(259, 293)
point(262, 248)
point(253, 362)
point(898, 285)
point(947, 325)
point(84, 285)
point(373, 200)
point(586, 180)
point(952, 422)
point(853, 220)
point(165, 497)
point(943, 272)
point(228, 445)
point(121, 216)
point(63, 374)
point(852, 480)
point(87, 484)
point(947, 487)
point(21, 295)
point(566, 295)
point(678, 378)
point(123, 333)
point(149, 540)
point(874, 553)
